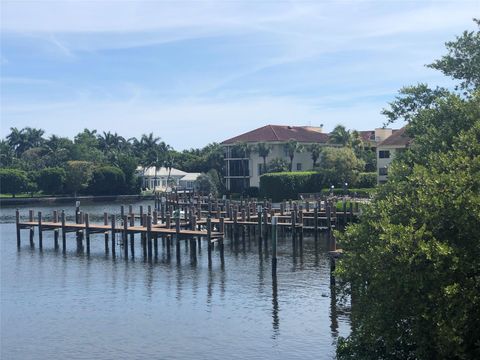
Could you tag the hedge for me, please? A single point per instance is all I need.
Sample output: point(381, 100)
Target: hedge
point(287, 185)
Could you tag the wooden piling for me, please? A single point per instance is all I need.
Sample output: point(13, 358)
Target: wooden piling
point(55, 231)
point(40, 230)
point(32, 231)
point(17, 221)
point(64, 233)
point(149, 236)
point(105, 222)
point(209, 239)
point(125, 236)
point(113, 224)
point(87, 232)
point(274, 245)
point(132, 235)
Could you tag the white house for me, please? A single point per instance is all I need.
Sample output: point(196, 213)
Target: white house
point(397, 142)
point(156, 178)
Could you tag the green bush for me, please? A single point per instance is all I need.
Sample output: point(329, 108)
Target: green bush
point(287, 185)
point(366, 192)
point(13, 181)
point(51, 180)
point(107, 180)
point(253, 192)
point(366, 180)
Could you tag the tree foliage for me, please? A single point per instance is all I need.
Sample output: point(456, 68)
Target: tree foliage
point(78, 176)
point(106, 180)
point(341, 165)
point(412, 263)
point(13, 181)
point(51, 180)
point(463, 60)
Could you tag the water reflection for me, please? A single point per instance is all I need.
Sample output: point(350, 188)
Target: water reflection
point(275, 308)
point(233, 297)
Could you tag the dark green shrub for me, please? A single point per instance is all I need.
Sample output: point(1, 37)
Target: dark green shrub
point(107, 180)
point(253, 192)
point(51, 180)
point(287, 185)
point(13, 181)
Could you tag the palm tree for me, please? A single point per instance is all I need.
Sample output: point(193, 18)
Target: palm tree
point(243, 149)
point(17, 140)
point(263, 149)
point(340, 135)
point(169, 163)
point(315, 151)
point(292, 147)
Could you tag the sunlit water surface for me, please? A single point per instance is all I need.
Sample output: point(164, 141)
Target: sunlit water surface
point(74, 306)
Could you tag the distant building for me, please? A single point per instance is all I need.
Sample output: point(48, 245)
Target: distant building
point(242, 172)
point(387, 149)
point(156, 178)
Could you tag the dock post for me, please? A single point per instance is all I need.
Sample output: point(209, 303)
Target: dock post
point(87, 232)
point(122, 211)
point(32, 231)
point(105, 222)
point(209, 239)
point(177, 234)
point(113, 223)
point(125, 236)
point(55, 232)
point(155, 236)
point(274, 245)
point(40, 230)
point(17, 222)
point(64, 234)
point(259, 219)
point(149, 236)
point(315, 216)
point(132, 234)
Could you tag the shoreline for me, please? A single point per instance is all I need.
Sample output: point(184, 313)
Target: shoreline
point(6, 202)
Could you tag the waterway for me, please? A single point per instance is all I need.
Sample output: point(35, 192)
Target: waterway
point(79, 306)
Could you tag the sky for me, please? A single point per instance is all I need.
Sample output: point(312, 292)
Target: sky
point(195, 72)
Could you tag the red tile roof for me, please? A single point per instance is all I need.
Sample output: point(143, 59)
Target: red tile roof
point(271, 133)
point(398, 138)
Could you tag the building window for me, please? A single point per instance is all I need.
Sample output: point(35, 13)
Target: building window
point(384, 154)
point(383, 171)
point(299, 166)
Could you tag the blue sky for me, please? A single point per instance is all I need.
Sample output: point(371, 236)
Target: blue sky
point(195, 72)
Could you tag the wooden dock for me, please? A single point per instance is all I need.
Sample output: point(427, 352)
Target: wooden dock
point(193, 220)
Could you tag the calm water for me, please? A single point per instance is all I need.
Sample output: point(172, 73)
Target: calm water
point(74, 306)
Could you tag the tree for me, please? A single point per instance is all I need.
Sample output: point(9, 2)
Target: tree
point(339, 135)
point(463, 60)
point(206, 185)
point(27, 138)
point(107, 180)
point(78, 176)
point(340, 165)
point(244, 151)
point(51, 180)
point(277, 165)
point(263, 149)
point(412, 263)
point(292, 147)
point(315, 151)
point(6, 154)
point(13, 181)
